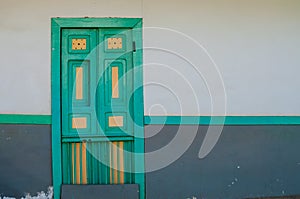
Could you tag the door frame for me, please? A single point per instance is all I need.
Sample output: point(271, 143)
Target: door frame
point(57, 24)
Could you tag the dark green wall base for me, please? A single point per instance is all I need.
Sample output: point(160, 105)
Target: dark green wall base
point(25, 159)
point(247, 162)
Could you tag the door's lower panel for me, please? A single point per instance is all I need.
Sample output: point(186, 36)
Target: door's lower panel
point(99, 162)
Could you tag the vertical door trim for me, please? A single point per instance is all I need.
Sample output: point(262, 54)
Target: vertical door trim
point(57, 24)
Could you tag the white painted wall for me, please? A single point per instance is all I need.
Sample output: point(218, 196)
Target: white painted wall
point(255, 45)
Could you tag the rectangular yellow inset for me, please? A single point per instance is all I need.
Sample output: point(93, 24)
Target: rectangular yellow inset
point(79, 123)
point(115, 121)
point(115, 82)
point(79, 83)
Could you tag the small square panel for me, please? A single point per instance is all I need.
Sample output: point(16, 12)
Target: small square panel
point(114, 43)
point(78, 44)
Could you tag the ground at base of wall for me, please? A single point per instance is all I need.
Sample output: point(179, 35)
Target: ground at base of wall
point(49, 195)
point(40, 195)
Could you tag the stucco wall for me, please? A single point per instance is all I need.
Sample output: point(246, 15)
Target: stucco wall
point(265, 165)
point(250, 46)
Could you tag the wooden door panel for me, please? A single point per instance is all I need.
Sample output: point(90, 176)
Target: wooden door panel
point(97, 85)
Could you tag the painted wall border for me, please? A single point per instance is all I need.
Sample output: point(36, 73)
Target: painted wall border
point(25, 119)
point(218, 120)
point(169, 120)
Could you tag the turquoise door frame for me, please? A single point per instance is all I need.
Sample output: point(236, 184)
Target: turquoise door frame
point(57, 24)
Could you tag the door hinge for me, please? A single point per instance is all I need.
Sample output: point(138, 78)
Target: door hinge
point(133, 46)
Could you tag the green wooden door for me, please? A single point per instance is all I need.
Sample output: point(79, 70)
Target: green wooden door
point(98, 107)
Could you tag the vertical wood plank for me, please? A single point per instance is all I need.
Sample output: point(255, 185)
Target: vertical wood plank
point(121, 148)
point(77, 163)
point(84, 176)
point(110, 164)
point(73, 169)
point(115, 162)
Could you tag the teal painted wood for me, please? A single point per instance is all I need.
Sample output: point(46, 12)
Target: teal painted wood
point(97, 139)
point(98, 172)
point(65, 164)
point(57, 25)
point(24, 119)
point(139, 143)
point(97, 22)
point(121, 58)
point(220, 120)
point(72, 59)
point(56, 107)
point(92, 60)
